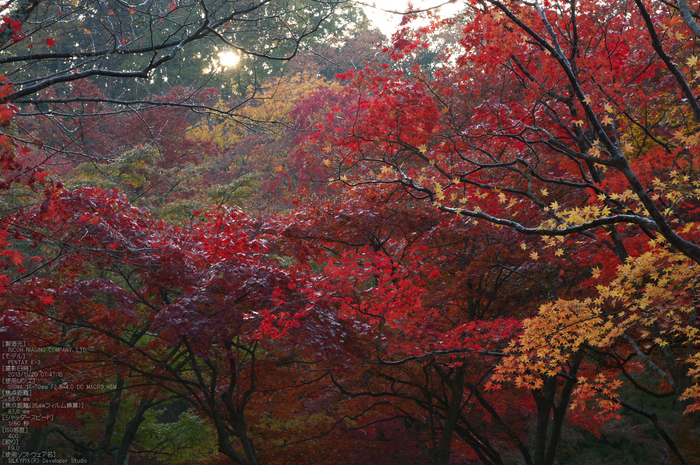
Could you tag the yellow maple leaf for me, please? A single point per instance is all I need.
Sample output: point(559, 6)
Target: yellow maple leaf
point(595, 272)
point(422, 148)
point(554, 205)
point(587, 100)
point(559, 252)
point(534, 256)
point(692, 61)
point(607, 120)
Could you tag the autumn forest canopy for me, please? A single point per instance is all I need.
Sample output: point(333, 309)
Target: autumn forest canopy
point(262, 232)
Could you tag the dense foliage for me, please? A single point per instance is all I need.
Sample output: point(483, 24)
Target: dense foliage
point(478, 243)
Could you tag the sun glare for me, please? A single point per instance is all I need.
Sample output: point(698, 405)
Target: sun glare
point(228, 59)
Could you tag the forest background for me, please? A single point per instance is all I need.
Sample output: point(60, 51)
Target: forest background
point(261, 232)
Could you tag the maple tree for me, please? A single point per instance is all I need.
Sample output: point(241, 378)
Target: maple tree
point(537, 126)
point(266, 156)
point(80, 118)
point(147, 155)
point(479, 250)
point(179, 310)
point(571, 124)
point(79, 288)
point(440, 298)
